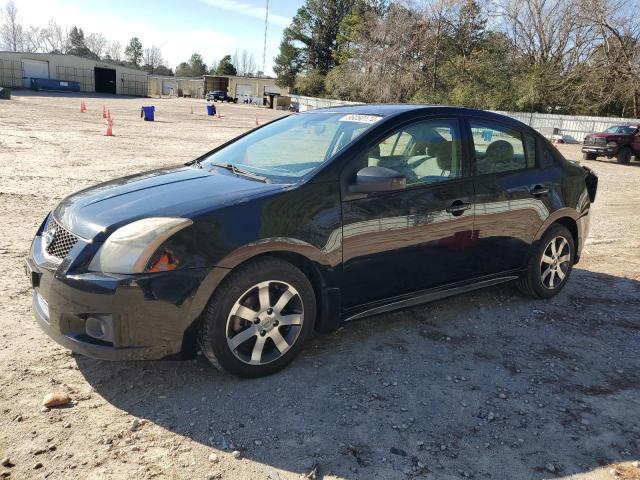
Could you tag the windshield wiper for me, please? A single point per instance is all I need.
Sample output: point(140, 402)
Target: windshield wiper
point(245, 173)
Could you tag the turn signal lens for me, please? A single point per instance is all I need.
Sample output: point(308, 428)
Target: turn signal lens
point(164, 262)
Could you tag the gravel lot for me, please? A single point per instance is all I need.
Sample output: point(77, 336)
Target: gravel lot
point(489, 385)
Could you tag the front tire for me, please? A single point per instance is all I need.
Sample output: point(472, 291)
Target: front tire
point(623, 156)
point(550, 264)
point(589, 156)
point(258, 320)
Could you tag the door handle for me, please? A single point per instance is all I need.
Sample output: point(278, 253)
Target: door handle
point(458, 207)
point(539, 191)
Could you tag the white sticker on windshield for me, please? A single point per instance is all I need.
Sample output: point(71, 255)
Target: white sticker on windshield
point(352, 117)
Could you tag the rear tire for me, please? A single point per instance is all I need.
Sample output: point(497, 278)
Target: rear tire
point(623, 156)
point(259, 318)
point(550, 264)
point(589, 156)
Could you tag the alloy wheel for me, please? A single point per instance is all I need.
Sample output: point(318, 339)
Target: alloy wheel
point(265, 322)
point(555, 262)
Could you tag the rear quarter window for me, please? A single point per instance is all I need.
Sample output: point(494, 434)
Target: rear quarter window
point(547, 158)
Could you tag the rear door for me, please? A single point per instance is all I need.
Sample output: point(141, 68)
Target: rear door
point(512, 195)
point(404, 241)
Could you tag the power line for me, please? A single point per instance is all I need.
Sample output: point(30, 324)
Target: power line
point(266, 26)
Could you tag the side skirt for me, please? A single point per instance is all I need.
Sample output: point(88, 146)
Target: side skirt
point(429, 296)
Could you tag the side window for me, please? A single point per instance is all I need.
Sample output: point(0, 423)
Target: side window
point(424, 152)
point(500, 149)
point(395, 144)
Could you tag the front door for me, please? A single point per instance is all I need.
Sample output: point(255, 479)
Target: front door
point(417, 238)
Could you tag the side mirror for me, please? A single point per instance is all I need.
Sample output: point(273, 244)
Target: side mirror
point(378, 179)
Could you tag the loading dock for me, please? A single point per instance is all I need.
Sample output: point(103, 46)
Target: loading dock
point(33, 69)
point(105, 79)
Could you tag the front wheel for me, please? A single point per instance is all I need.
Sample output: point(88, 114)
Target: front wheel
point(589, 156)
point(259, 319)
point(624, 155)
point(550, 264)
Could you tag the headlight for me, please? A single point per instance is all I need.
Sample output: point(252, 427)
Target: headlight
point(128, 249)
point(612, 144)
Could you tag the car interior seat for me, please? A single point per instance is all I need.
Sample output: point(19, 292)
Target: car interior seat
point(497, 158)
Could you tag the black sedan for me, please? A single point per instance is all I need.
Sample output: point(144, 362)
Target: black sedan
point(303, 224)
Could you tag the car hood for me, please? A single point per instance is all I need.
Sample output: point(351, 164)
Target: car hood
point(610, 136)
point(177, 192)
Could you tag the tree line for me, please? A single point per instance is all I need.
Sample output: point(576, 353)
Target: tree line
point(53, 38)
point(551, 56)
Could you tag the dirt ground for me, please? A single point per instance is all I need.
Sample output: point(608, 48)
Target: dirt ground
point(491, 385)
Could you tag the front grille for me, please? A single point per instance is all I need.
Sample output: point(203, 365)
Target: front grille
point(595, 141)
point(62, 240)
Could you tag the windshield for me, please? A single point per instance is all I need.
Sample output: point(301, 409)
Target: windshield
point(292, 148)
point(622, 130)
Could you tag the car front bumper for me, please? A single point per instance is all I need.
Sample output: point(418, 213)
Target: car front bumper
point(602, 151)
point(149, 314)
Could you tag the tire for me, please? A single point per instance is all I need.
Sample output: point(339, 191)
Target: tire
point(539, 283)
point(624, 155)
point(255, 353)
point(589, 156)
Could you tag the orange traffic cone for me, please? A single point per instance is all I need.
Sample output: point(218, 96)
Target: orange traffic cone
point(82, 108)
point(218, 114)
point(104, 112)
point(109, 115)
point(257, 122)
point(109, 128)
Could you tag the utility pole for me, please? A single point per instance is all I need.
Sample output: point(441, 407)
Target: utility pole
point(266, 25)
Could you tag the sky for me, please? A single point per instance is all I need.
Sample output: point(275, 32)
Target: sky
point(212, 28)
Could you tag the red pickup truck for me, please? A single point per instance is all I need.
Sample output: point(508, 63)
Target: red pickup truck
point(620, 141)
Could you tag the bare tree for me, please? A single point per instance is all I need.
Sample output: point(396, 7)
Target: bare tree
point(152, 59)
point(33, 39)
point(55, 38)
point(246, 64)
point(114, 51)
point(547, 31)
point(390, 60)
point(617, 54)
point(236, 62)
point(97, 43)
point(11, 32)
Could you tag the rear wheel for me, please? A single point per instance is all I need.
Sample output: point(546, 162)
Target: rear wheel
point(624, 155)
point(589, 156)
point(550, 264)
point(259, 318)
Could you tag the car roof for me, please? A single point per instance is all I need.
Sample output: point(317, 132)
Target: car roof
point(391, 110)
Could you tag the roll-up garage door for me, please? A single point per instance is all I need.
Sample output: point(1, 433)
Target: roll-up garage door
point(243, 90)
point(34, 69)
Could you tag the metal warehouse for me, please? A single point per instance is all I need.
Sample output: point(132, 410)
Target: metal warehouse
point(240, 87)
point(18, 69)
point(176, 86)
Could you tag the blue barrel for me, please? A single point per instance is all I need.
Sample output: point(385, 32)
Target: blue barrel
point(148, 113)
point(211, 109)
